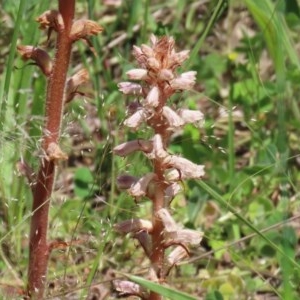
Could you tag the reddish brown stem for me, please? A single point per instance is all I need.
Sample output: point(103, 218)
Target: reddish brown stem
point(158, 251)
point(38, 246)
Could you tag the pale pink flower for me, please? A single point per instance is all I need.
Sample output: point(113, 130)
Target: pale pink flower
point(168, 221)
point(152, 99)
point(137, 51)
point(192, 116)
point(130, 88)
point(185, 81)
point(137, 74)
point(134, 225)
point(135, 120)
point(139, 188)
point(132, 146)
point(183, 169)
point(172, 117)
point(124, 182)
point(177, 255)
point(139, 56)
point(158, 151)
point(184, 236)
point(172, 190)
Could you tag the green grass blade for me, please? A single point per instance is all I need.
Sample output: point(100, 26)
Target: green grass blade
point(10, 62)
point(217, 11)
point(165, 291)
point(226, 205)
point(280, 47)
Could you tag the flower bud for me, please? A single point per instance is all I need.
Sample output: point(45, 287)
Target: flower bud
point(39, 56)
point(137, 74)
point(153, 40)
point(148, 51)
point(137, 52)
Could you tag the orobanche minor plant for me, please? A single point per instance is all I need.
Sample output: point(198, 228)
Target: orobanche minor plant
point(159, 81)
point(60, 90)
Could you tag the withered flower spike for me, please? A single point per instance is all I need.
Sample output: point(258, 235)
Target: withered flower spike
point(82, 29)
point(39, 56)
point(51, 19)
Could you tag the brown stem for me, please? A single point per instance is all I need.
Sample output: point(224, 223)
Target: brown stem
point(38, 246)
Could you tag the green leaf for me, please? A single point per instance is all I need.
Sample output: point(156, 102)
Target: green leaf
point(83, 180)
point(214, 295)
point(165, 291)
point(226, 204)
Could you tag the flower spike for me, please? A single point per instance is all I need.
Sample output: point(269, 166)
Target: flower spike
point(155, 81)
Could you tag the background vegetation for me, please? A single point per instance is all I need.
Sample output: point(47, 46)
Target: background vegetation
point(246, 54)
